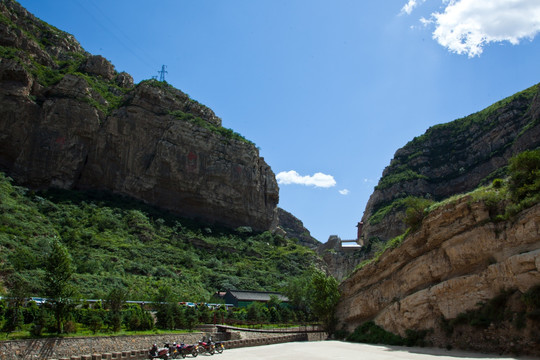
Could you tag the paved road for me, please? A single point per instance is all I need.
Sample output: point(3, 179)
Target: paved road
point(337, 350)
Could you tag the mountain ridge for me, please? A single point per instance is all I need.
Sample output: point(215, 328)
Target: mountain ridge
point(147, 140)
point(452, 158)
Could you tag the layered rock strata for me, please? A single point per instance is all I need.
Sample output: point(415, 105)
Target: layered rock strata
point(456, 260)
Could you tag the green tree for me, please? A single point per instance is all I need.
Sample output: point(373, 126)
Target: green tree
point(116, 300)
point(273, 306)
point(165, 309)
point(95, 323)
point(205, 315)
point(253, 312)
point(58, 287)
point(191, 317)
point(524, 170)
point(18, 291)
point(299, 291)
point(325, 298)
point(137, 318)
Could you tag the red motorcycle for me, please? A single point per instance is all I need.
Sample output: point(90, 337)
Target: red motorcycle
point(206, 347)
point(183, 350)
point(158, 353)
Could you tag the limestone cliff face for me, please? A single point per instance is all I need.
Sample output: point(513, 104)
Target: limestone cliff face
point(457, 259)
point(69, 120)
point(294, 228)
point(453, 158)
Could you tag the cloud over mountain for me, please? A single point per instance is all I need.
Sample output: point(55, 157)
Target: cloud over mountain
point(317, 179)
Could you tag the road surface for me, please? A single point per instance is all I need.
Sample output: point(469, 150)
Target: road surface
point(337, 350)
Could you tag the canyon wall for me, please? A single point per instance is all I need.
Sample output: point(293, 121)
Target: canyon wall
point(458, 258)
point(453, 158)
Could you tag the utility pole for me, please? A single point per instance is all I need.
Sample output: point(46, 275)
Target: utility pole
point(162, 73)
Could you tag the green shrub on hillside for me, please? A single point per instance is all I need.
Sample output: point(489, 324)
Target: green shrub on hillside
point(117, 241)
point(524, 170)
point(225, 132)
point(370, 333)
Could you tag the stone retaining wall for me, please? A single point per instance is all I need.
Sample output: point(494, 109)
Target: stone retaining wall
point(55, 348)
point(119, 347)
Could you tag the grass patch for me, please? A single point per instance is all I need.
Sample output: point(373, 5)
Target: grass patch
point(224, 132)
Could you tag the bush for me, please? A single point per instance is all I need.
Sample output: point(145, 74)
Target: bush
point(498, 183)
point(415, 211)
point(95, 323)
point(371, 333)
point(524, 170)
point(138, 319)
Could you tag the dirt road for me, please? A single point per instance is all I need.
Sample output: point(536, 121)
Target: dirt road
point(342, 350)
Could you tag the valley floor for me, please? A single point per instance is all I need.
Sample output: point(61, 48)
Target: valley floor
point(315, 350)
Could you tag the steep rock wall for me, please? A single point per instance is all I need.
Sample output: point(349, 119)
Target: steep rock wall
point(457, 259)
point(454, 158)
point(69, 120)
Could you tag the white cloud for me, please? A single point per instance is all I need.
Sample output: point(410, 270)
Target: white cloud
point(466, 26)
point(344, 192)
point(317, 179)
point(408, 7)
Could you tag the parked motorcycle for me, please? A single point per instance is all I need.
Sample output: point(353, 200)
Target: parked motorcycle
point(184, 349)
point(158, 353)
point(218, 345)
point(175, 351)
point(206, 347)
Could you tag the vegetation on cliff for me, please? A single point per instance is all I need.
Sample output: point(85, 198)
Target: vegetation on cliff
point(119, 242)
point(504, 197)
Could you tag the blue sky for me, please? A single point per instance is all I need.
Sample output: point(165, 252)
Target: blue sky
point(328, 90)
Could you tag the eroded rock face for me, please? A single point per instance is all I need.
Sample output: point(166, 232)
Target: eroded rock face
point(294, 228)
point(149, 141)
point(457, 259)
point(454, 158)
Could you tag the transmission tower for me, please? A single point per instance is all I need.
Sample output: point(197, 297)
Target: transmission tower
point(162, 73)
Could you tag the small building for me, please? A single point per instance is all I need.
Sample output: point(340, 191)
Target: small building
point(243, 298)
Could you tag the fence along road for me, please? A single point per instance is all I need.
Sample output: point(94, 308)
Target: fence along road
point(337, 350)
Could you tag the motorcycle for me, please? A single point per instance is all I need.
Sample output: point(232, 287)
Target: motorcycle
point(184, 350)
point(158, 353)
point(175, 351)
point(207, 347)
point(218, 345)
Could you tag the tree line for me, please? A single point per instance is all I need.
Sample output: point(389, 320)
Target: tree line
point(313, 298)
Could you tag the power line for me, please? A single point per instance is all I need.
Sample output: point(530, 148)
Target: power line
point(127, 42)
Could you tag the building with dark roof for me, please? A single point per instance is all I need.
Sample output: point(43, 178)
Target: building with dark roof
point(243, 298)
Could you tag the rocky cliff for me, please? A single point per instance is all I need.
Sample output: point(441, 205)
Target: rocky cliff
point(340, 261)
point(453, 158)
point(458, 258)
point(68, 119)
point(294, 228)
